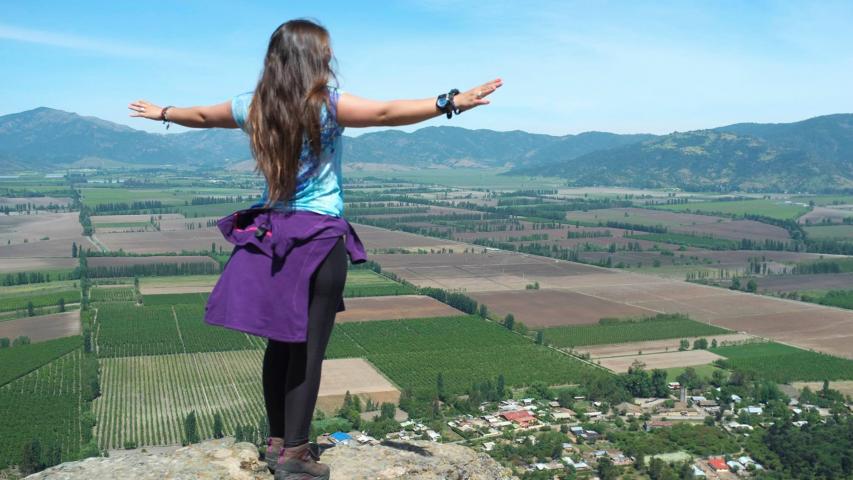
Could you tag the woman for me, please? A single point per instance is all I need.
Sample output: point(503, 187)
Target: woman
point(286, 275)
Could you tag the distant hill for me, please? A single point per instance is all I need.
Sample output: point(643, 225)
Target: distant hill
point(45, 137)
point(811, 155)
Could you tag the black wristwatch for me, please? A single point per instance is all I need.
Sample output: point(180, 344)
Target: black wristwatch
point(445, 103)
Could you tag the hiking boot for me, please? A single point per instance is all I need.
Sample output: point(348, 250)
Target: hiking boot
point(274, 447)
point(300, 463)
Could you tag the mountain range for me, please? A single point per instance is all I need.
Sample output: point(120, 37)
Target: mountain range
point(810, 155)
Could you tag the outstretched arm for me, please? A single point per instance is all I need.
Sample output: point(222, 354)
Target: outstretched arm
point(360, 112)
point(210, 116)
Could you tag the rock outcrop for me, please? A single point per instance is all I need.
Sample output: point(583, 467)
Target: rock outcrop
point(225, 460)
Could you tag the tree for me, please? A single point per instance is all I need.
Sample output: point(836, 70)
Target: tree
point(500, 388)
point(540, 337)
point(217, 425)
point(387, 411)
point(191, 428)
point(700, 344)
point(61, 304)
point(684, 344)
point(606, 470)
point(4, 342)
point(735, 284)
point(73, 249)
point(439, 386)
point(31, 309)
point(238, 434)
point(484, 312)
point(31, 458)
point(751, 285)
point(714, 343)
point(509, 321)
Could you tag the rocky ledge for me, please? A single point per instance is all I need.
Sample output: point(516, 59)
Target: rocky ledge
point(223, 459)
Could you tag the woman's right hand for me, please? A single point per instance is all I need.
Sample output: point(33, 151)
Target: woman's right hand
point(477, 95)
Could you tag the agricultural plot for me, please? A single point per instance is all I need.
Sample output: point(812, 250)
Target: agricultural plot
point(393, 307)
point(112, 294)
point(375, 238)
point(657, 346)
point(177, 284)
point(366, 283)
point(42, 327)
point(831, 232)
point(165, 242)
point(45, 404)
point(550, 308)
point(805, 282)
point(146, 398)
point(463, 349)
point(784, 364)
point(16, 362)
point(109, 262)
point(687, 358)
point(819, 215)
point(126, 330)
point(22, 301)
point(779, 209)
point(663, 327)
point(40, 235)
point(175, 299)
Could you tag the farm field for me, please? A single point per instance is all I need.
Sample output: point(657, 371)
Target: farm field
point(497, 274)
point(112, 293)
point(805, 282)
point(779, 209)
point(42, 327)
point(656, 346)
point(145, 399)
point(834, 214)
point(366, 283)
point(393, 307)
point(784, 364)
point(687, 358)
point(38, 299)
point(843, 386)
point(377, 239)
point(107, 262)
point(44, 404)
point(661, 327)
point(165, 242)
point(703, 371)
point(40, 235)
point(837, 232)
point(464, 349)
point(548, 308)
point(16, 362)
point(177, 284)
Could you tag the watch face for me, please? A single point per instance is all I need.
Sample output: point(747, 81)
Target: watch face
point(441, 102)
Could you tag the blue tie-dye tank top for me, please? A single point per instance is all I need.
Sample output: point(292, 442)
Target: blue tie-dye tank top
point(319, 181)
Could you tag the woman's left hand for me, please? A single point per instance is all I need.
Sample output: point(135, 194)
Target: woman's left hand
point(477, 95)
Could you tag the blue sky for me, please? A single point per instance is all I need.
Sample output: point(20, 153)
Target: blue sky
point(568, 67)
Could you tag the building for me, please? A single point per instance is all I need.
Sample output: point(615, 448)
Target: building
point(522, 418)
point(718, 464)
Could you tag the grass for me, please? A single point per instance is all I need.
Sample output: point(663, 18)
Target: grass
point(784, 364)
point(657, 328)
point(768, 208)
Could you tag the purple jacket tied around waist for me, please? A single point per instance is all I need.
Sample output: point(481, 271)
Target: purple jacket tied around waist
point(264, 287)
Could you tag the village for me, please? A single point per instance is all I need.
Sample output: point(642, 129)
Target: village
point(583, 433)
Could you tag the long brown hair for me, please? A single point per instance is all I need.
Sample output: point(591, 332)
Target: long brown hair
point(286, 106)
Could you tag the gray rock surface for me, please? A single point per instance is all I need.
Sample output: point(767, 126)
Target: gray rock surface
point(225, 460)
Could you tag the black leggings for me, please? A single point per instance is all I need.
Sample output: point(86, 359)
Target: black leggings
point(291, 372)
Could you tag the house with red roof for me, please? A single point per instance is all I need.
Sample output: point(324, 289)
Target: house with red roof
point(522, 418)
point(718, 464)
